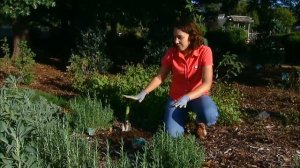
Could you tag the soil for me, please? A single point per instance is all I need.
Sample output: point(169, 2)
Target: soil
point(269, 142)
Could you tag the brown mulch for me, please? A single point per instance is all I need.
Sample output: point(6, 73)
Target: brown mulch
point(253, 143)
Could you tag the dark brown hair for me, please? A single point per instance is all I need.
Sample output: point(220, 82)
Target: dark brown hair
point(189, 26)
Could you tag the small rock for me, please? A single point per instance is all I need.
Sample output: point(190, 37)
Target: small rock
point(263, 115)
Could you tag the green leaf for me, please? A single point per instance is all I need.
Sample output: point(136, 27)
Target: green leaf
point(30, 149)
point(3, 126)
point(16, 157)
point(8, 163)
point(3, 139)
point(12, 133)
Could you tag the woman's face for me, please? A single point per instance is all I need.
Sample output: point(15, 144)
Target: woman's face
point(181, 39)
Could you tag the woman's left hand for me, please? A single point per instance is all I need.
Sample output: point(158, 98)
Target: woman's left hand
point(182, 102)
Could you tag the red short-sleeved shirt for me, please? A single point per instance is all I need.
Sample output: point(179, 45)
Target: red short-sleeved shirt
point(186, 72)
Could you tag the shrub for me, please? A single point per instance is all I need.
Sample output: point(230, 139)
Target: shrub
point(91, 49)
point(227, 100)
point(148, 114)
point(164, 151)
point(88, 112)
point(110, 89)
point(5, 61)
point(24, 63)
point(21, 65)
point(228, 67)
point(20, 118)
point(230, 39)
point(33, 133)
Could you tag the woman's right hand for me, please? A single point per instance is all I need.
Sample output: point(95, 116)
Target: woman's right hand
point(139, 97)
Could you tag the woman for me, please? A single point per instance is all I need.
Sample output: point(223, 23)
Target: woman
point(191, 64)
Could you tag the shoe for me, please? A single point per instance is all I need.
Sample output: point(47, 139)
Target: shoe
point(201, 131)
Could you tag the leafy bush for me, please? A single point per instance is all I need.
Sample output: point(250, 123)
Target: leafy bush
point(5, 61)
point(149, 113)
point(230, 39)
point(20, 119)
point(21, 65)
point(228, 67)
point(89, 58)
point(111, 88)
point(278, 27)
point(90, 53)
point(33, 133)
point(88, 112)
point(5, 48)
point(164, 151)
point(24, 62)
point(227, 100)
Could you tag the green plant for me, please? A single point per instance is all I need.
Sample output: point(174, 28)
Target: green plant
point(227, 100)
point(59, 101)
point(5, 61)
point(34, 133)
point(59, 148)
point(164, 151)
point(122, 162)
point(228, 67)
point(12, 81)
point(24, 63)
point(88, 112)
point(110, 89)
point(90, 56)
point(230, 39)
point(180, 152)
point(20, 118)
point(5, 48)
point(148, 114)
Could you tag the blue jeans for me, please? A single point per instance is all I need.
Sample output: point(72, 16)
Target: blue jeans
point(175, 118)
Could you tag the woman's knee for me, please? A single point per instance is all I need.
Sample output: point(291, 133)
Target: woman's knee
point(211, 115)
point(174, 120)
point(206, 110)
point(175, 131)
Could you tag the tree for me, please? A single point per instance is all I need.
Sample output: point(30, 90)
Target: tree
point(286, 17)
point(18, 12)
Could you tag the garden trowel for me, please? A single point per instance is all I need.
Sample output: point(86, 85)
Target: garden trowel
point(127, 125)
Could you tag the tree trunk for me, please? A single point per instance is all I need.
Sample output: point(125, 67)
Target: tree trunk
point(20, 32)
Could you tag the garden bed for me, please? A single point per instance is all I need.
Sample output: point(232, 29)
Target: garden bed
point(269, 142)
